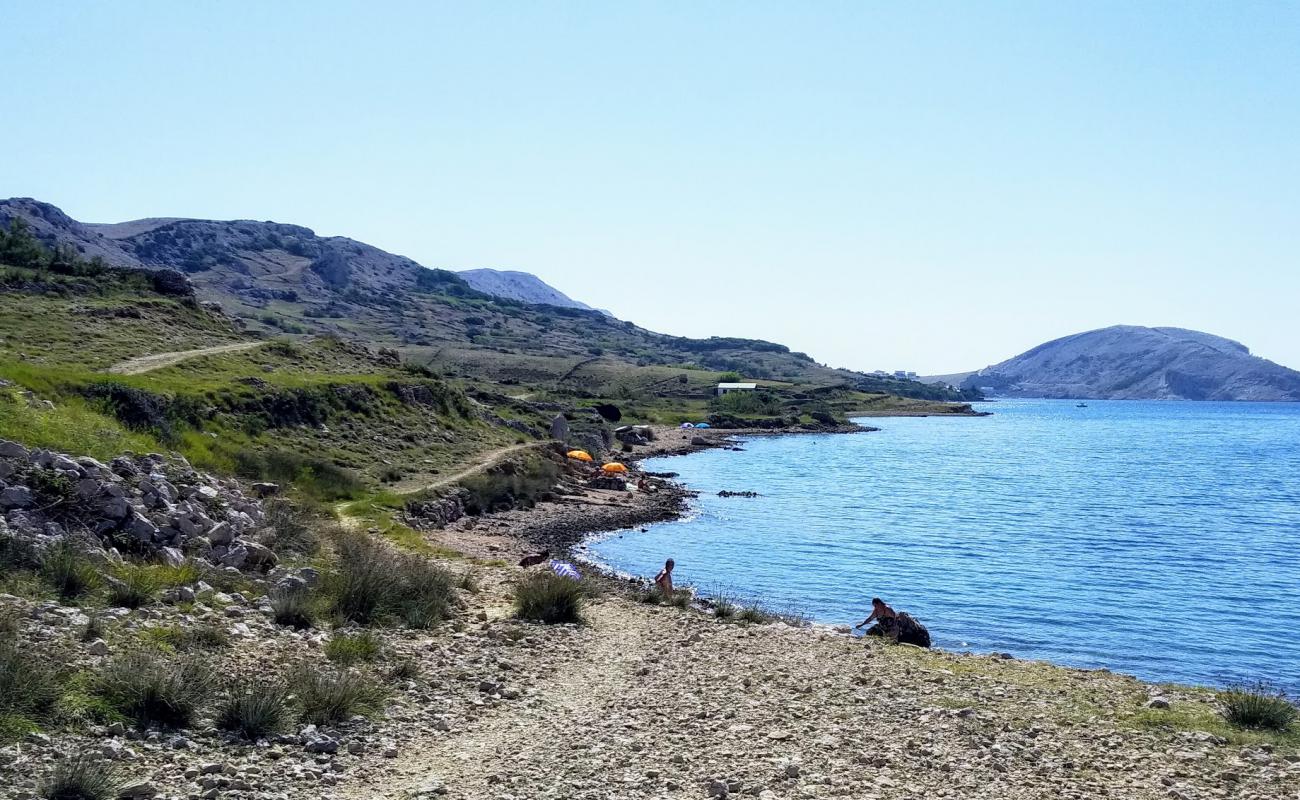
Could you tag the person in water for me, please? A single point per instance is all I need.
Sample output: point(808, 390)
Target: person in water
point(880, 610)
point(664, 580)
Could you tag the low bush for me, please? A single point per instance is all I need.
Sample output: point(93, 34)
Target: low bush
point(29, 687)
point(254, 708)
point(753, 614)
point(1258, 706)
point(175, 639)
point(468, 581)
point(348, 649)
point(10, 622)
point(93, 629)
point(651, 597)
point(82, 777)
point(68, 570)
point(406, 669)
point(723, 606)
point(203, 637)
point(134, 586)
point(293, 528)
point(373, 582)
point(292, 607)
point(549, 598)
point(153, 687)
point(327, 697)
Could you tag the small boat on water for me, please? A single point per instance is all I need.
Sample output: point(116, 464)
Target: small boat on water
point(1080, 405)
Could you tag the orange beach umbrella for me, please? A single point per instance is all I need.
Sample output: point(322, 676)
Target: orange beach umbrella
point(614, 467)
point(581, 455)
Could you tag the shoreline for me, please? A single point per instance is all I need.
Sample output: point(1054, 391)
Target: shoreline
point(565, 526)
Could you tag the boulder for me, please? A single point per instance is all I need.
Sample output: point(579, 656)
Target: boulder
point(259, 556)
point(221, 533)
point(560, 428)
point(16, 497)
point(141, 528)
point(13, 450)
point(171, 556)
point(904, 629)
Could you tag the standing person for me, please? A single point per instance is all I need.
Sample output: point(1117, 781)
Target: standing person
point(664, 580)
point(880, 611)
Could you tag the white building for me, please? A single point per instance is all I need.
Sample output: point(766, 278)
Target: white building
point(728, 388)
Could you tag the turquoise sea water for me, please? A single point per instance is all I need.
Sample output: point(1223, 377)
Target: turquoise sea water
point(1160, 539)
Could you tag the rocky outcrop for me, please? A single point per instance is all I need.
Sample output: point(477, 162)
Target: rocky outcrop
point(1128, 362)
point(904, 629)
point(136, 505)
point(521, 286)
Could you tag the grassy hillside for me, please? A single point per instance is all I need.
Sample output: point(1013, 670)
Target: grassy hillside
point(394, 391)
point(282, 279)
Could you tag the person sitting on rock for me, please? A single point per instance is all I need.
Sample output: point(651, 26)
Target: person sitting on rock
point(664, 580)
point(880, 611)
point(534, 559)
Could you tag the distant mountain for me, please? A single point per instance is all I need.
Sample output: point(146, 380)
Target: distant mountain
point(1131, 362)
point(522, 286)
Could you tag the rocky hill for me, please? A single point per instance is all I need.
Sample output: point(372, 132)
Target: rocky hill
point(280, 278)
point(1130, 362)
point(522, 286)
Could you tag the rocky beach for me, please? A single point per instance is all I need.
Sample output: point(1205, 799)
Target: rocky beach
point(640, 700)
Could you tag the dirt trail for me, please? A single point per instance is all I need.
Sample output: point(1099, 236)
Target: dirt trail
point(134, 366)
point(595, 676)
point(480, 463)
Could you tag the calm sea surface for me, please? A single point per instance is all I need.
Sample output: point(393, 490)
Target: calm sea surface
point(1156, 538)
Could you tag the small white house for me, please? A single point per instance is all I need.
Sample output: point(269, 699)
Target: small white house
point(728, 388)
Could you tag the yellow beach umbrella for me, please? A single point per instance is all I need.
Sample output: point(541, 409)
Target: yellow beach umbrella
point(581, 455)
point(614, 467)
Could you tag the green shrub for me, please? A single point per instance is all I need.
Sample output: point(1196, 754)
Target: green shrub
point(651, 596)
point(468, 581)
point(82, 777)
point(680, 599)
point(406, 669)
point(254, 708)
point(753, 614)
point(546, 597)
point(723, 606)
point(348, 649)
point(52, 489)
point(509, 485)
point(374, 582)
point(30, 685)
point(153, 687)
point(1258, 706)
point(134, 586)
point(177, 639)
point(68, 570)
point(315, 476)
point(10, 622)
point(93, 629)
point(203, 637)
point(292, 528)
point(292, 607)
point(327, 697)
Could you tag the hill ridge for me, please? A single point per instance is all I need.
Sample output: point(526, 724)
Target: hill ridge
point(1140, 362)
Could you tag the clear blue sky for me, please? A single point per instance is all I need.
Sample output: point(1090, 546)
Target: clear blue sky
point(928, 186)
